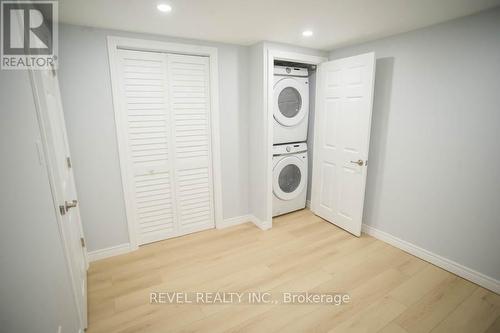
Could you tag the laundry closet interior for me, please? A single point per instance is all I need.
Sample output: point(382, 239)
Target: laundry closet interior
point(316, 125)
point(293, 103)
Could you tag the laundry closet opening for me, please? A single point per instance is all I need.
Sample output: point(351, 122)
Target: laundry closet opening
point(319, 119)
point(293, 114)
point(166, 120)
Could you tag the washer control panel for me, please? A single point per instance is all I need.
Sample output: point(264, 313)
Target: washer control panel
point(289, 148)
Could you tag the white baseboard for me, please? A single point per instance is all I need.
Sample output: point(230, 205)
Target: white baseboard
point(447, 264)
point(263, 225)
point(308, 204)
point(244, 219)
point(125, 248)
point(109, 252)
point(235, 221)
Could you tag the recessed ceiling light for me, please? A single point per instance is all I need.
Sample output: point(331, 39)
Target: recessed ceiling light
point(307, 33)
point(163, 7)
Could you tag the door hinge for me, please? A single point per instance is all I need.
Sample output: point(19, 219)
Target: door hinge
point(62, 209)
point(68, 162)
point(82, 241)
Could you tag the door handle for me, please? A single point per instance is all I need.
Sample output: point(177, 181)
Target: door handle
point(358, 162)
point(71, 204)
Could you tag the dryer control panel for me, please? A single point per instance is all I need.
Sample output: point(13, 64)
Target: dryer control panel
point(292, 71)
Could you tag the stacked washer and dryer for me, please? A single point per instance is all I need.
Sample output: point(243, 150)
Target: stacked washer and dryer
point(291, 116)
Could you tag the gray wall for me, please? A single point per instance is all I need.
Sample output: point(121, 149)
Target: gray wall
point(86, 93)
point(434, 177)
point(35, 292)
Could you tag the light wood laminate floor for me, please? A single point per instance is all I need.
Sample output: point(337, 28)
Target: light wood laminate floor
point(390, 290)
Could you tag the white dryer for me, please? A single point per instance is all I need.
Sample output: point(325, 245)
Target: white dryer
point(289, 177)
point(291, 104)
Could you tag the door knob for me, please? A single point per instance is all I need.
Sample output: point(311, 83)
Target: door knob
point(71, 204)
point(358, 162)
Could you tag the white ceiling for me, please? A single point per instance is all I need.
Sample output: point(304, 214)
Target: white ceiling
point(334, 22)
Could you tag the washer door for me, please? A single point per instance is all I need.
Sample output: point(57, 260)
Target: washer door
point(291, 100)
point(289, 177)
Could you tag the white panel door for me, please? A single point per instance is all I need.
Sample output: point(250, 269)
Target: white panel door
point(164, 139)
point(342, 135)
point(190, 108)
point(46, 88)
point(146, 145)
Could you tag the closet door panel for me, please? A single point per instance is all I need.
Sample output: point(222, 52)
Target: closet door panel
point(190, 107)
point(147, 126)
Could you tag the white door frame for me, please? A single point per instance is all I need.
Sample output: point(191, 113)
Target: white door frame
point(116, 43)
point(273, 55)
point(41, 113)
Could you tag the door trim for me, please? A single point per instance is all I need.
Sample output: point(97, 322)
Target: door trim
point(271, 55)
point(115, 43)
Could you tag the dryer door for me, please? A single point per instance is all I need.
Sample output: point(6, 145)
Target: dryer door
point(289, 177)
point(291, 101)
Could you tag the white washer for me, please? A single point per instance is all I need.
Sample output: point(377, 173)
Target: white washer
point(291, 104)
point(289, 177)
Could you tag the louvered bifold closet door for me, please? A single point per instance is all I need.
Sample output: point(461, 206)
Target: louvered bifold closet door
point(146, 125)
point(190, 105)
